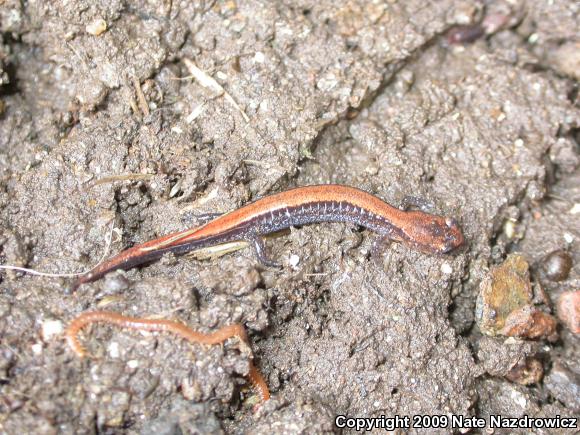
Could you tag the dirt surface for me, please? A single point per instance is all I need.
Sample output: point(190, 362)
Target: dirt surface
point(103, 126)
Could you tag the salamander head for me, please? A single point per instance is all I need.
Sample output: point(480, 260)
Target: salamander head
point(432, 234)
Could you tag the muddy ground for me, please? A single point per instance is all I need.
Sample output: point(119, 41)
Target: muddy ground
point(102, 125)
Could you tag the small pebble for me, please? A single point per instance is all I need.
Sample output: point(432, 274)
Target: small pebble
point(446, 268)
point(494, 22)
point(191, 389)
point(569, 310)
point(96, 27)
point(51, 328)
point(509, 229)
point(556, 265)
point(114, 349)
point(530, 322)
point(464, 34)
point(115, 283)
point(294, 260)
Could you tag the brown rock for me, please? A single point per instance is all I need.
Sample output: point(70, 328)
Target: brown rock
point(529, 322)
point(507, 288)
point(569, 310)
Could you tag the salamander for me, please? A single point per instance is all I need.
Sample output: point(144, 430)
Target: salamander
point(425, 232)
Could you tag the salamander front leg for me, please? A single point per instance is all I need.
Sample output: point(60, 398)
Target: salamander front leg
point(260, 249)
point(416, 202)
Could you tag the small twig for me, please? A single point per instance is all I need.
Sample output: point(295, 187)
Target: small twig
point(77, 54)
point(185, 78)
point(141, 100)
point(63, 275)
point(212, 252)
point(210, 83)
point(198, 110)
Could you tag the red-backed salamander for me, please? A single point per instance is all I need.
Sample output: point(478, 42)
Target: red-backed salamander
point(303, 205)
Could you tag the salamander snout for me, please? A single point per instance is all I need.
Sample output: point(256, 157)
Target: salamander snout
point(431, 234)
point(452, 235)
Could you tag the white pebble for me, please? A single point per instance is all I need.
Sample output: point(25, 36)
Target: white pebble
point(294, 260)
point(96, 27)
point(263, 106)
point(511, 340)
point(50, 328)
point(509, 229)
point(114, 349)
point(446, 268)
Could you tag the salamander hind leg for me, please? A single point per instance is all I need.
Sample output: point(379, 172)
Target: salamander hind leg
point(260, 250)
point(379, 246)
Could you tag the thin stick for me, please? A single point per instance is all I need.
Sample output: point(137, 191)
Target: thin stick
point(141, 100)
point(209, 82)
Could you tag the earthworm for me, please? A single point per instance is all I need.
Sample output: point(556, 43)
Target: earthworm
point(164, 325)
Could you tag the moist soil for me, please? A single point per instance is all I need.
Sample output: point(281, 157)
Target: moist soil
point(125, 121)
